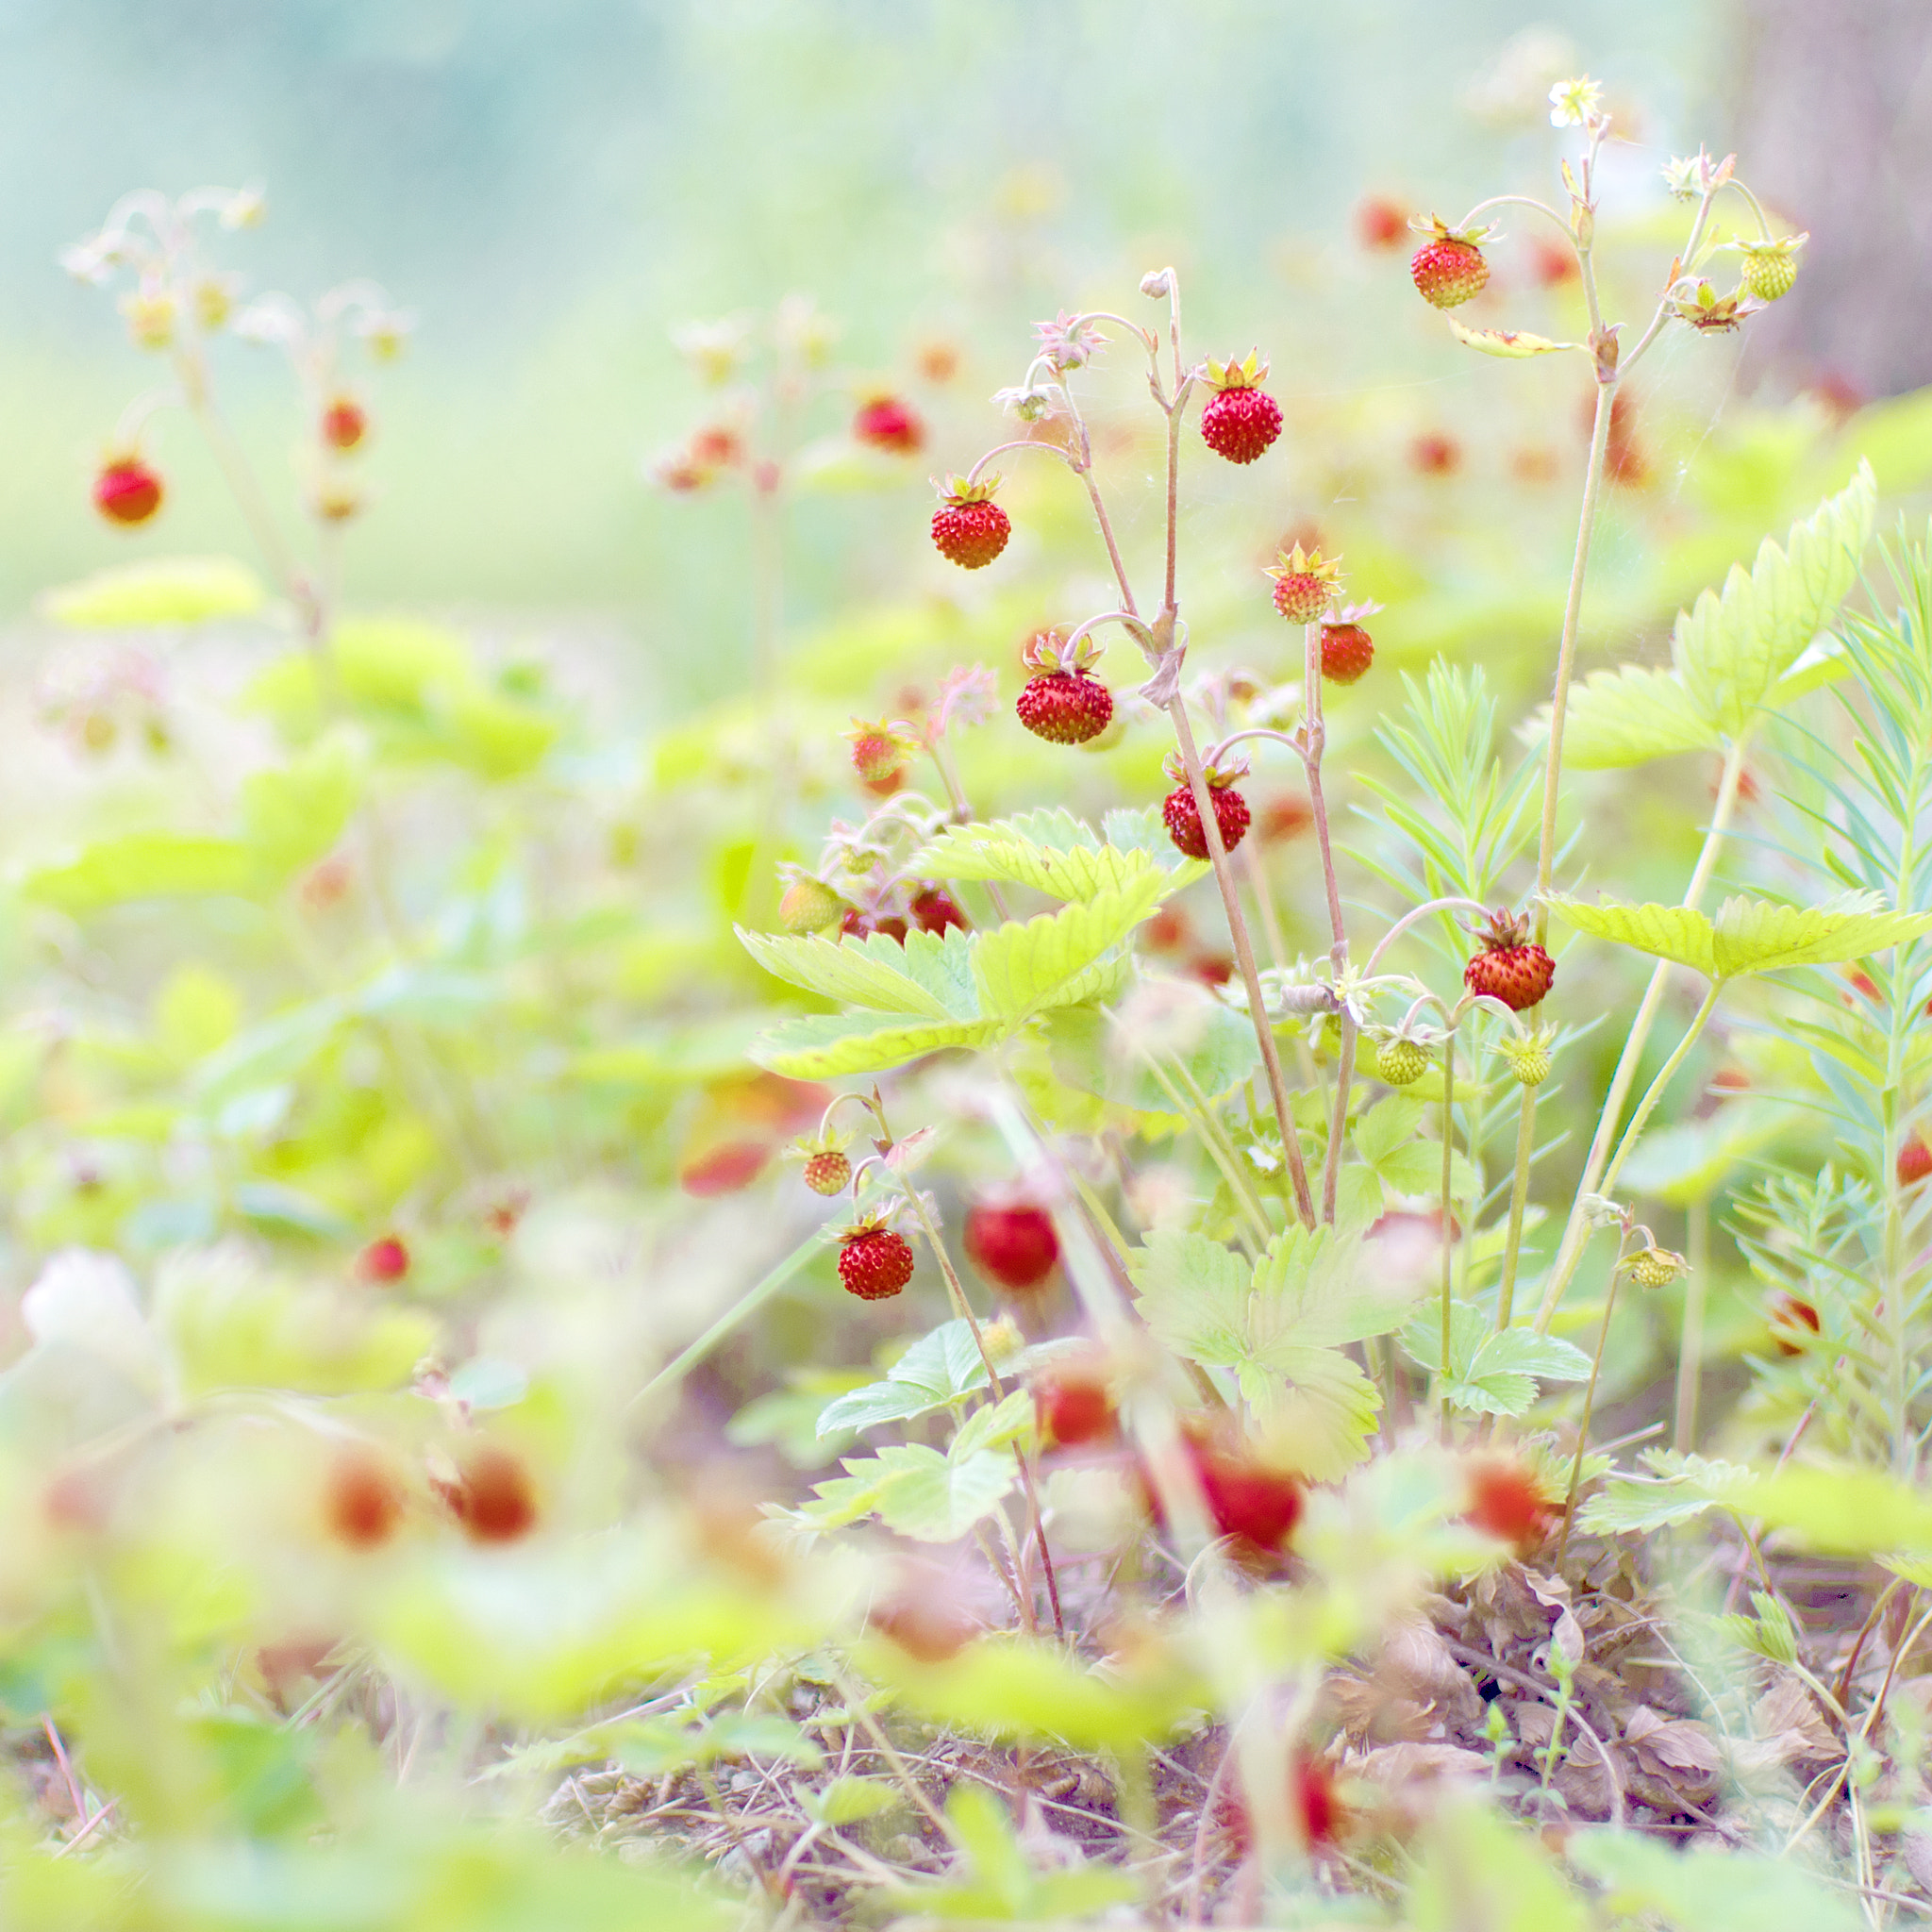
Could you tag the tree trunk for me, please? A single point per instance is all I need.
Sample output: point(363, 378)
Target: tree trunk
point(1833, 129)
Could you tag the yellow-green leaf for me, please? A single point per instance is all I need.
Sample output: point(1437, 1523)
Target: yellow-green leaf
point(174, 589)
point(1666, 932)
point(1508, 342)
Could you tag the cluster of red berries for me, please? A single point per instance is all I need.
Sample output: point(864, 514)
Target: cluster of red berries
point(809, 905)
point(489, 1495)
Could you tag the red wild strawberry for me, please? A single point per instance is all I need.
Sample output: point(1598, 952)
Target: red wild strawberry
point(1242, 420)
point(970, 528)
point(1347, 651)
point(1065, 706)
point(1314, 1803)
point(855, 924)
point(1073, 1401)
point(1256, 1506)
point(885, 422)
point(1212, 969)
point(827, 1170)
point(344, 424)
point(1303, 583)
point(127, 491)
point(363, 1501)
point(491, 1497)
point(1061, 703)
point(874, 1262)
point(384, 1259)
point(1436, 455)
point(1507, 1502)
point(1790, 1316)
point(1182, 817)
point(1914, 1161)
point(1011, 1243)
point(1509, 967)
point(935, 910)
point(1449, 267)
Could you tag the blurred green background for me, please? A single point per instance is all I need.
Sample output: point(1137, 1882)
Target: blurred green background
point(552, 187)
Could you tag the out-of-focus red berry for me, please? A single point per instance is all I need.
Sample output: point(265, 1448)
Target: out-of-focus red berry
point(386, 1258)
point(344, 424)
point(362, 1502)
point(127, 491)
point(1433, 454)
point(1507, 1502)
point(492, 1496)
point(887, 424)
point(724, 1169)
point(1791, 1317)
point(1013, 1244)
point(1914, 1161)
point(1380, 222)
point(1072, 1400)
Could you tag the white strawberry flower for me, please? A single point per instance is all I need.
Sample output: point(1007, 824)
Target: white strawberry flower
point(1574, 102)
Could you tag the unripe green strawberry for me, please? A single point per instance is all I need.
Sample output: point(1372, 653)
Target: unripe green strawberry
point(1769, 268)
point(809, 905)
point(1529, 1059)
point(1655, 1267)
point(1400, 1061)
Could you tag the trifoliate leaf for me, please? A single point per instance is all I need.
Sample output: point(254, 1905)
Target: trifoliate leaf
point(938, 1369)
point(1490, 1374)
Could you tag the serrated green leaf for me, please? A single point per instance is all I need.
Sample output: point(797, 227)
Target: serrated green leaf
point(1060, 958)
point(1053, 852)
point(826, 1046)
point(936, 1499)
point(1193, 1292)
point(995, 1425)
point(870, 972)
point(1665, 932)
point(1757, 936)
point(1319, 1408)
point(1627, 717)
point(1680, 1489)
point(938, 1369)
point(169, 590)
point(1490, 1374)
point(1320, 1288)
point(1732, 647)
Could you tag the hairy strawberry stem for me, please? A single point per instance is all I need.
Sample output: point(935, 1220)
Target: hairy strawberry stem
point(1589, 1400)
point(1165, 627)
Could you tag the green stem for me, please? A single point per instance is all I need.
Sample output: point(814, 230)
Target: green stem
point(1690, 1351)
point(1589, 1402)
point(1553, 769)
point(1577, 1230)
point(1655, 1089)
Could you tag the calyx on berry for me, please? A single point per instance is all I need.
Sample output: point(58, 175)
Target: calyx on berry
point(1769, 268)
point(1654, 1267)
point(1529, 1057)
point(969, 528)
point(1449, 267)
point(874, 1261)
point(1304, 583)
point(1219, 769)
point(879, 751)
point(809, 905)
point(826, 1166)
point(1710, 313)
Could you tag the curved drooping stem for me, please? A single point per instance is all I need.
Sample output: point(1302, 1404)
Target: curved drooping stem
point(999, 449)
point(1413, 916)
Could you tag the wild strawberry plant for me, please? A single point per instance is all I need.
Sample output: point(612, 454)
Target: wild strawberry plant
point(1275, 1528)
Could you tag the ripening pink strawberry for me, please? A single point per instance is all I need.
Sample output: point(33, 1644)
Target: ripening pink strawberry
point(127, 491)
